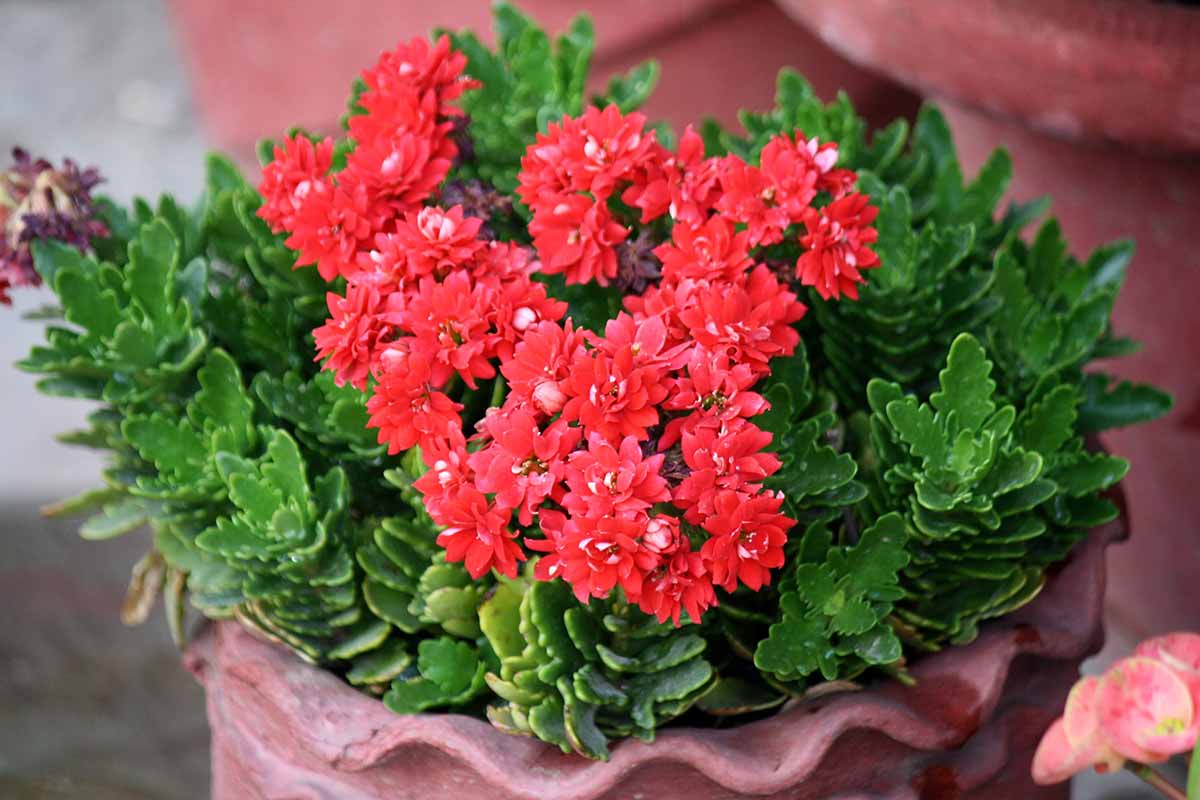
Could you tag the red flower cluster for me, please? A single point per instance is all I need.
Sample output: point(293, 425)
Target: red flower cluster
point(403, 150)
point(626, 460)
point(570, 173)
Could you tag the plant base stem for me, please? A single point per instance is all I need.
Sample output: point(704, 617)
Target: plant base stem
point(1164, 786)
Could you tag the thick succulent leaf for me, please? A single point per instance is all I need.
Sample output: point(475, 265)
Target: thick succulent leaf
point(845, 596)
point(1124, 404)
point(966, 384)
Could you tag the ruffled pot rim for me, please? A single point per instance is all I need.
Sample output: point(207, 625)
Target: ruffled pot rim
point(957, 691)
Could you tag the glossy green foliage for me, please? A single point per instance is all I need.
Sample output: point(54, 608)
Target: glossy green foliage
point(816, 478)
point(834, 605)
point(990, 496)
point(256, 472)
point(1054, 318)
point(528, 81)
point(579, 675)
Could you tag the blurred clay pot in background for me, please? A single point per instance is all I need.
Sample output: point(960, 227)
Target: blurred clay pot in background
point(259, 68)
point(1098, 101)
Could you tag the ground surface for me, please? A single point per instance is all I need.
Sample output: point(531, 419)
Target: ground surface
point(89, 708)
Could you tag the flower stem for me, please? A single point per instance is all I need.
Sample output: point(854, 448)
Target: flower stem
point(499, 390)
point(1164, 786)
point(1193, 783)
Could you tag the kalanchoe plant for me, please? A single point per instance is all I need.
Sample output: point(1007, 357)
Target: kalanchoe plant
point(508, 402)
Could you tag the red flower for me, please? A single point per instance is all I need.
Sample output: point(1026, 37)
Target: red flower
point(713, 251)
point(640, 344)
point(611, 147)
point(449, 323)
point(404, 110)
point(431, 241)
point(664, 536)
point(298, 170)
point(679, 583)
point(748, 535)
point(520, 305)
point(838, 241)
point(541, 363)
point(331, 228)
point(590, 154)
point(421, 67)
point(748, 197)
point(685, 185)
point(613, 397)
point(722, 457)
point(714, 388)
point(596, 555)
point(751, 324)
point(604, 480)
point(404, 167)
point(446, 459)
point(405, 408)
point(800, 168)
point(577, 237)
point(504, 261)
point(352, 337)
point(665, 302)
point(522, 465)
point(476, 533)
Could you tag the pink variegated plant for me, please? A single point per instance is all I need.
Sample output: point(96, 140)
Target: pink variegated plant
point(1143, 710)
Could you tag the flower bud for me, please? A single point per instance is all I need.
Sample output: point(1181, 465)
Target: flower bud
point(549, 398)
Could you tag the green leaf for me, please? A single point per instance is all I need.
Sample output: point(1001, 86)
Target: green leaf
point(80, 502)
point(981, 197)
point(172, 447)
point(449, 663)
point(50, 256)
point(918, 429)
point(380, 665)
point(364, 637)
point(732, 696)
point(117, 519)
point(966, 385)
point(221, 174)
point(1125, 404)
point(585, 737)
point(1090, 472)
point(285, 467)
point(879, 555)
point(222, 401)
point(631, 90)
point(414, 696)
point(663, 654)
point(391, 605)
point(256, 498)
point(499, 619)
point(86, 304)
point(797, 645)
point(837, 602)
point(1048, 424)
point(153, 263)
point(1106, 267)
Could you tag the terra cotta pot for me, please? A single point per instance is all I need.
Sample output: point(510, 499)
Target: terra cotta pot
point(967, 729)
point(1098, 102)
point(717, 56)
